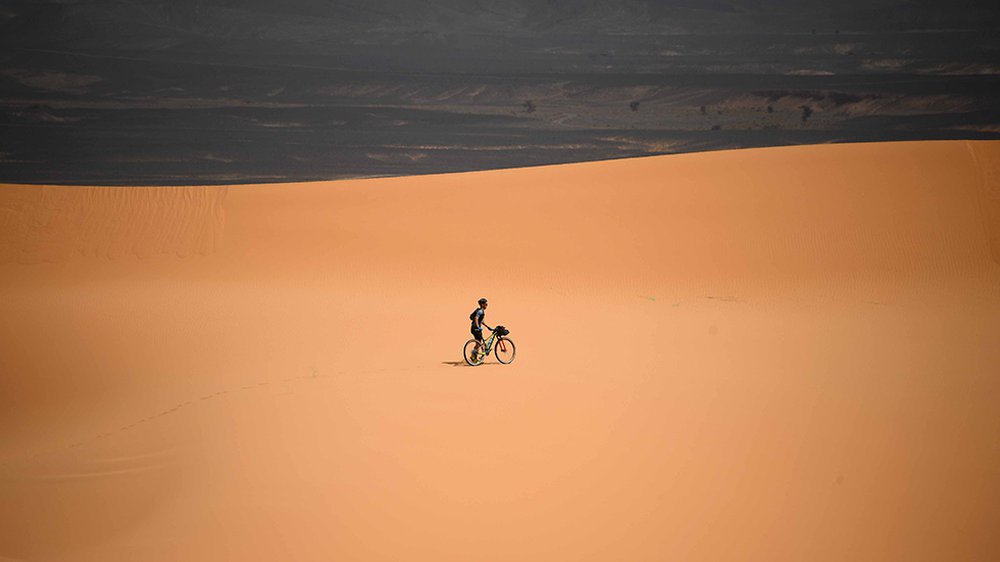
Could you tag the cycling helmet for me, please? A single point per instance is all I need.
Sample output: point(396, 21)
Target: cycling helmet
point(483, 300)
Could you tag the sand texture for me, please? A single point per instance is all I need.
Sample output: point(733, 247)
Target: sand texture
point(769, 355)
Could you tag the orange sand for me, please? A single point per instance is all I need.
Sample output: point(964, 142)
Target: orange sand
point(780, 354)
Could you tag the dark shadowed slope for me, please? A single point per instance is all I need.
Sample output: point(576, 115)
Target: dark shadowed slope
point(219, 91)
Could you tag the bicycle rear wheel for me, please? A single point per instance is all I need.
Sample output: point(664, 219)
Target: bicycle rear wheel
point(467, 352)
point(504, 350)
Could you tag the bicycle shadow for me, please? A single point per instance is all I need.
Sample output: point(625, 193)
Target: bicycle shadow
point(455, 363)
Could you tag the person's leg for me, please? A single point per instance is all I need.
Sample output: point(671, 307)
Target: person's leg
point(478, 334)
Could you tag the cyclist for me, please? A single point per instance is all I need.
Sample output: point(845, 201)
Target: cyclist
point(478, 318)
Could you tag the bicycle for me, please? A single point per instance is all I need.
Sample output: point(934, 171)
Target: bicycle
point(504, 349)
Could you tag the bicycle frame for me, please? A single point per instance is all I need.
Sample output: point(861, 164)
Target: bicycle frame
point(487, 346)
point(493, 339)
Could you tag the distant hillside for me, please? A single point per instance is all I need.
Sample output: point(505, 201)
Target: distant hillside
point(114, 91)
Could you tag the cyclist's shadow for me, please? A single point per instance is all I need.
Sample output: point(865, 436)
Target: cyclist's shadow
point(456, 363)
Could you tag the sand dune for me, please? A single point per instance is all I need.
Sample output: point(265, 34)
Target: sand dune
point(777, 354)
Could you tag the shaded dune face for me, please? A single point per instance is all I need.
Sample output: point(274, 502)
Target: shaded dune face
point(778, 354)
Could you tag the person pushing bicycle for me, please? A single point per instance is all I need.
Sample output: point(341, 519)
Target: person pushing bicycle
point(478, 318)
point(475, 350)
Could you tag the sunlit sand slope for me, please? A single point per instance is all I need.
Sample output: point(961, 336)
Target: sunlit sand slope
point(779, 354)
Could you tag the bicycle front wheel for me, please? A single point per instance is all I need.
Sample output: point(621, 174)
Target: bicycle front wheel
point(504, 350)
point(471, 356)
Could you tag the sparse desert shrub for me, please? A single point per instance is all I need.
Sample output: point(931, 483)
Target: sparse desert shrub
point(806, 113)
point(634, 106)
point(529, 106)
point(775, 95)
